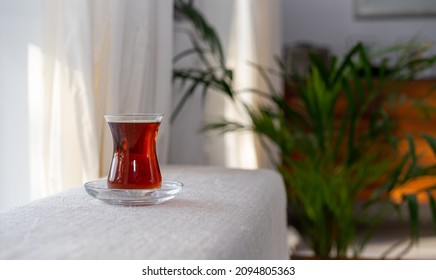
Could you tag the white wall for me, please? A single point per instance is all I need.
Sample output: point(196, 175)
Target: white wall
point(19, 27)
point(332, 23)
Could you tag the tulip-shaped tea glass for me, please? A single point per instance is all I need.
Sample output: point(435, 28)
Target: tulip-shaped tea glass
point(134, 162)
point(134, 177)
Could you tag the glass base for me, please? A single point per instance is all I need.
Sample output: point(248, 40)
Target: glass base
point(133, 197)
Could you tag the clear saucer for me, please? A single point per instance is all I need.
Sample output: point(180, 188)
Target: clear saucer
point(133, 197)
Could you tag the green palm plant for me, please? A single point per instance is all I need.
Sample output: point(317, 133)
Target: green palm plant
point(330, 155)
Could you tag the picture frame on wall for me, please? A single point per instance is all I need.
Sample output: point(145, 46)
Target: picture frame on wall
point(382, 8)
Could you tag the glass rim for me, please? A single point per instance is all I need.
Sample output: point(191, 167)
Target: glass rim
point(134, 118)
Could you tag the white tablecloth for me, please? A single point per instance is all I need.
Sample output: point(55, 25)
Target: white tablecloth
point(221, 214)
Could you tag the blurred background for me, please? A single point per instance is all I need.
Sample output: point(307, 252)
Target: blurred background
point(64, 64)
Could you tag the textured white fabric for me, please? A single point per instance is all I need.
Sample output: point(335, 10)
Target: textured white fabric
point(221, 214)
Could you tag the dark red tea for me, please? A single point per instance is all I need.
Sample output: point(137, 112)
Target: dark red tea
point(134, 163)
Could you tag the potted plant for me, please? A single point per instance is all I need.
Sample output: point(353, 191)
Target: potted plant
point(336, 137)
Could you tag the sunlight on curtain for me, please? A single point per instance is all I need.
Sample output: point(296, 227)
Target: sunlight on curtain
point(254, 37)
point(97, 57)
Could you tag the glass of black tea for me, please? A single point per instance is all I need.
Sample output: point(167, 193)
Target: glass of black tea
point(134, 162)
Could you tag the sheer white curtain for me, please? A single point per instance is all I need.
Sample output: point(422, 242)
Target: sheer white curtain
point(97, 57)
point(255, 37)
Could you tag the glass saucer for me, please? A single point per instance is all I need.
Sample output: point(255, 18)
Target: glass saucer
point(133, 197)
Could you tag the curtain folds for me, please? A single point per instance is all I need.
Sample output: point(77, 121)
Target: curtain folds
point(97, 57)
point(254, 37)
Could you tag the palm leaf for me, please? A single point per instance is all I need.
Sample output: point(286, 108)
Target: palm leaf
point(188, 93)
point(224, 126)
point(206, 31)
point(432, 204)
point(412, 204)
point(431, 142)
